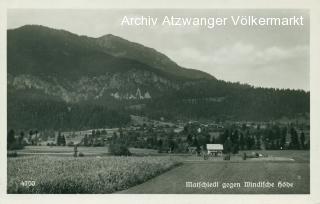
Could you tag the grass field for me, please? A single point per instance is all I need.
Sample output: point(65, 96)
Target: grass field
point(82, 175)
point(88, 151)
point(174, 181)
point(297, 155)
point(292, 166)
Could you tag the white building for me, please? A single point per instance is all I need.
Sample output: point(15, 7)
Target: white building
point(215, 149)
point(147, 95)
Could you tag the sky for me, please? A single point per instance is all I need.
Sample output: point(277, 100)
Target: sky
point(264, 56)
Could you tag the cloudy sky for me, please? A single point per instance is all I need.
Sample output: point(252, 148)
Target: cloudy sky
point(264, 56)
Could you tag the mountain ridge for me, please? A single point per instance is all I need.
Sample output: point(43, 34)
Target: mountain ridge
point(103, 47)
point(159, 60)
point(51, 69)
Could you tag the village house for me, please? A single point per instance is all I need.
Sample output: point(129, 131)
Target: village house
point(215, 149)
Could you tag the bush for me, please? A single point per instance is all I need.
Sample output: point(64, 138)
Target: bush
point(15, 145)
point(81, 154)
point(70, 144)
point(119, 149)
point(226, 157)
point(12, 154)
point(244, 157)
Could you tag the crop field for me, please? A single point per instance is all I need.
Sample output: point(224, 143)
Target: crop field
point(46, 174)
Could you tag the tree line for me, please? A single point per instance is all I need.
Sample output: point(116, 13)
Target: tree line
point(58, 115)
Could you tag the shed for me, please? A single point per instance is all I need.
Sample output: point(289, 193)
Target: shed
point(214, 148)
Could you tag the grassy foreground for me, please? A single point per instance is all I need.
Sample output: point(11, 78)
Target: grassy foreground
point(227, 174)
point(82, 175)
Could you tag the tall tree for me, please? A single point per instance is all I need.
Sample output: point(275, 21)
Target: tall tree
point(189, 139)
point(294, 139)
point(227, 145)
point(283, 138)
point(10, 138)
point(235, 142)
point(63, 140)
point(60, 139)
point(21, 137)
point(302, 140)
point(160, 143)
point(258, 143)
point(85, 140)
point(30, 136)
point(241, 141)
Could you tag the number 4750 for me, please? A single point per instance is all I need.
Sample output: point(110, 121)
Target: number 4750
point(28, 183)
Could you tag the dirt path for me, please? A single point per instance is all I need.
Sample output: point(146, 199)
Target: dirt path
point(174, 181)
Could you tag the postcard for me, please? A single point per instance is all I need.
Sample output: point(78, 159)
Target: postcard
point(181, 103)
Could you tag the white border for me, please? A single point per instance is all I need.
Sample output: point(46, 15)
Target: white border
point(314, 7)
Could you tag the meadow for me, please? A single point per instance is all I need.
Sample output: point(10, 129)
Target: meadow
point(292, 166)
point(63, 175)
point(68, 151)
point(229, 172)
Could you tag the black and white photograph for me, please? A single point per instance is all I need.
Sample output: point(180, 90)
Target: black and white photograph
point(148, 101)
point(158, 101)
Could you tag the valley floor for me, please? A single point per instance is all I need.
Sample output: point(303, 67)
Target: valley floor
point(288, 166)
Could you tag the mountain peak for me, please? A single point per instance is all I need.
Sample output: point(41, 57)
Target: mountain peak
point(111, 36)
point(41, 29)
point(112, 45)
